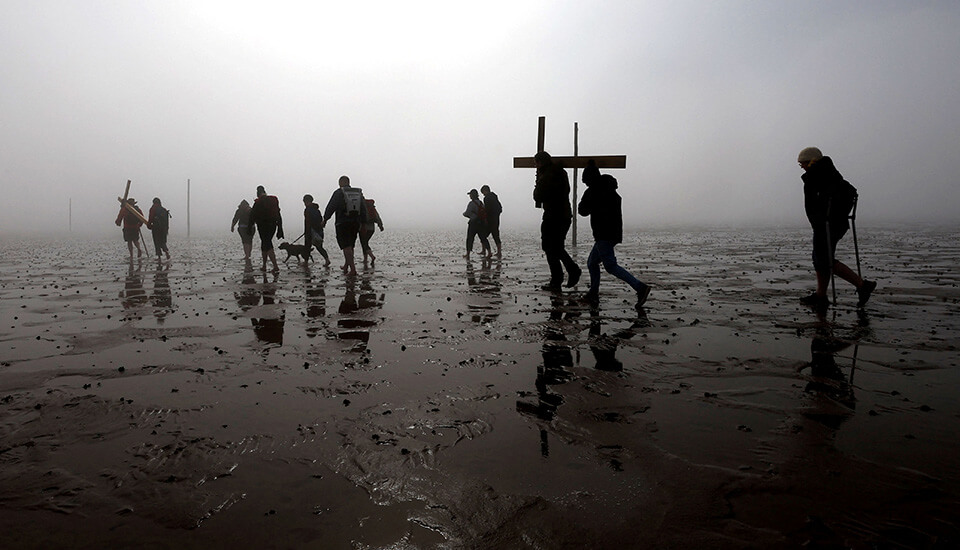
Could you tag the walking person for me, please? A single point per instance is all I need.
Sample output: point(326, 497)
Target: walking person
point(313, 227)
point(368, 228)
point(158, 222)
point(828, 200)
point(265, 216)
point(602, 204)
point(552, 193)
point(476, 225)
point(241, 219)
point(131, 226)
point(347, 204)
point(492, 204)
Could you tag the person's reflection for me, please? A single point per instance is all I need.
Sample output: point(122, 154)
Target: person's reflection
point(355, 321)
point(248, 295)
point(827, 377)
point(268, 327)
point(133, 295)
point(604, 346)
point(162, 298)
point(486, 284)
point(557, 356)
point(316, 301)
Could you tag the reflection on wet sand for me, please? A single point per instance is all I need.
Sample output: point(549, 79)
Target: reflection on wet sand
point(357, 310)
point(133, 295)
point(485, 283)
point(259, 300)
point(162, 298)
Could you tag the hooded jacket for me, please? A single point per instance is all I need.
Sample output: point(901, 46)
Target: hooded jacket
point(826, 195)
point(602, 203)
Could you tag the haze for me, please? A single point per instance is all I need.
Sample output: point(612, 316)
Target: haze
point(418, 102)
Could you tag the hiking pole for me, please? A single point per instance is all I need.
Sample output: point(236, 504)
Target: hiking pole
point(142, 240)
point(853, 228)
point(833, 284)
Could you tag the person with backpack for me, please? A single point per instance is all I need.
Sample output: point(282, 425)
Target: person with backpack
point(265, 217)
point(602, 204)
point(131, 226)
point(476, 215)
point(492, 204)
point(348, 205)
point(828, 200)
point(313, 227)
point(158, 222)
point(367, 230)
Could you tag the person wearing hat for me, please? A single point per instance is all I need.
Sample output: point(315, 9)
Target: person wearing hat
point(131, 226)
point(828, 200)
point(476, 215)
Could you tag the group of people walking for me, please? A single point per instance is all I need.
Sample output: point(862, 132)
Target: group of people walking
point(828, 202)
point(355, 217)
point(131, 220)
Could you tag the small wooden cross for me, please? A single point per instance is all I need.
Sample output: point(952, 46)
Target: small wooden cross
point(576, 161)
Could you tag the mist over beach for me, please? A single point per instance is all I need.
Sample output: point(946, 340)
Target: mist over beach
point(201, 400)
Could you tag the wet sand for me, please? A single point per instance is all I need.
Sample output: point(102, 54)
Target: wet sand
point(435, 403)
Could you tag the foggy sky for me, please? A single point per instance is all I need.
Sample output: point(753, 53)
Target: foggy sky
point(418, 102)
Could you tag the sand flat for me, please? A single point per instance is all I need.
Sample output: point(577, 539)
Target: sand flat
point(435, 403)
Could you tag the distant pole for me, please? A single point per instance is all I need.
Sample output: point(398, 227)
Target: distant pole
point(70, 215)
point(188, 208)
point(576, 151)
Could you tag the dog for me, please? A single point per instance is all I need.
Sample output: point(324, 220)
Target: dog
point(298, 250)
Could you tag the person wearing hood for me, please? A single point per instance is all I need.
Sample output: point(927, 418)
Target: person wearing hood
point(601, 203)
point(828, 200)
point(265, 216)
point(241, 220)
point(313, 227)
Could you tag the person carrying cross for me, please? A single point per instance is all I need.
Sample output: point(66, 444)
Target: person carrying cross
point(131, 226)
point(552, 193)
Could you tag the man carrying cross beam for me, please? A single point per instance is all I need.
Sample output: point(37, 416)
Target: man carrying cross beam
point(552, 193)
point(128, 216)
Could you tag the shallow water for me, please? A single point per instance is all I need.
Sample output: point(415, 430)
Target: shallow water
point(431, 402)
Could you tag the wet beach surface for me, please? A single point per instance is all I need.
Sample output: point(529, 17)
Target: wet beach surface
point(434, 403)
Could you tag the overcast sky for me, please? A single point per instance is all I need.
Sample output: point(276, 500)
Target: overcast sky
point(418, 102)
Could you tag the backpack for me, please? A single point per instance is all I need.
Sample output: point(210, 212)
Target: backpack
point(481, 212)
point(495, 206)
point(352, 200)
point(161, 219)
point(372, 215)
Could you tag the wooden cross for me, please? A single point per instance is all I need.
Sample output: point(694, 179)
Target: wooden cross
point(129, 206)
point(575, 162)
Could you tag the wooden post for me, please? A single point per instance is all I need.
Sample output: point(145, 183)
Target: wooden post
point(188, 208)
point(576, 150)
point(70, 216)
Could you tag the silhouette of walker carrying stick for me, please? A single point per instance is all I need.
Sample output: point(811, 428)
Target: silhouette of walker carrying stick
point(127, 204)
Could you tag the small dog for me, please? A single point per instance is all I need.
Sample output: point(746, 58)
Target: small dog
point(298, 250)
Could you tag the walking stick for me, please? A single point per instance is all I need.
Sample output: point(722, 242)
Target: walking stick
point(142, 240)
point(833, 284)
point(853, 228)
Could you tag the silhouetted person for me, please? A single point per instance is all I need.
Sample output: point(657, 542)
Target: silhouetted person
point(265, 215)
point(347, 203)
point(552, 193)
point(602, 204)
point(158, 222)
point(313, 227)
point(476, 224)
point(367, 230)
point(131, 226)
point(241, 219)
point(827, 200)
point(492, 204)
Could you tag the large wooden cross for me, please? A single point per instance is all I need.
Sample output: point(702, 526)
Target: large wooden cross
point(129, 207)
point(575, 162)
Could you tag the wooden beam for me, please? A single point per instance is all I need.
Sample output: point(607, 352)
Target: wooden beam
point(603, 161)
point(132, 210)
